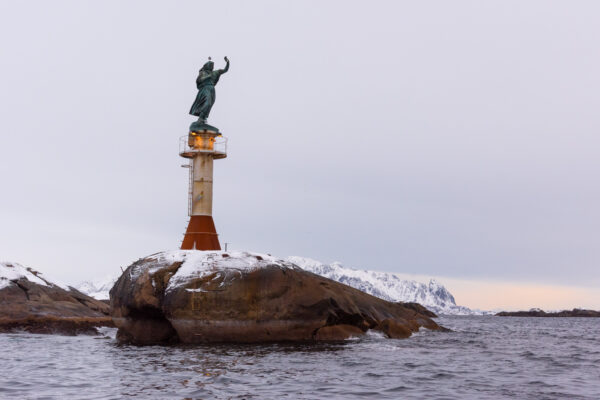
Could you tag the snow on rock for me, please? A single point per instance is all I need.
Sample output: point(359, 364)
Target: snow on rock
point(11, 272)
point(197, 264)
point(388, 286)
point(32, 302)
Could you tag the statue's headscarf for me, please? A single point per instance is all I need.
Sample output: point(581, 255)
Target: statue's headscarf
point(208, 66)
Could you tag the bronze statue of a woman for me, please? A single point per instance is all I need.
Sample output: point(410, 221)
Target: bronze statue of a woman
point(206, 81)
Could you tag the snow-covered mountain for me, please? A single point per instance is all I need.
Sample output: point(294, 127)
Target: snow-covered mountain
point(98, 289)
point(388, 286)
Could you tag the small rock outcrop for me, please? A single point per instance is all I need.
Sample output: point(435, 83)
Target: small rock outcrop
point(202, 296)
point(536, 312)
point(29, 302)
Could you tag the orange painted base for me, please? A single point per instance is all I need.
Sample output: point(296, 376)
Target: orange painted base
point(201, 234)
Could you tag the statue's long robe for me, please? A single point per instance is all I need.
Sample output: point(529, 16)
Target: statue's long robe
point(206, 96)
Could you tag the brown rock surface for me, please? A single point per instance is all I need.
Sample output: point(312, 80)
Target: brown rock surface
point(195, 296)
point(31, 303)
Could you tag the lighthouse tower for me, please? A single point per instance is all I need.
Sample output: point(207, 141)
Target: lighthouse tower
point(201, 147)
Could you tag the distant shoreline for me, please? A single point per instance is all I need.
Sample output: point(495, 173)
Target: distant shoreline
point(576, 312)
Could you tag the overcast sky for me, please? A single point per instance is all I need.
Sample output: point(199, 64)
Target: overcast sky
point(450, 139)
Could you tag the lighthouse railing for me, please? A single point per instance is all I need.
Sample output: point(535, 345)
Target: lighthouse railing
point(190, 146)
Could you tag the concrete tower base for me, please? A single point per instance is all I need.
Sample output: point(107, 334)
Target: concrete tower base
point(201, 234)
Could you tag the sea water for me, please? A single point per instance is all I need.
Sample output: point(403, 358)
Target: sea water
point(482, 358)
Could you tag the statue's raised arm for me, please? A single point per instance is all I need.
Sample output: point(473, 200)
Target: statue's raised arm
point(226, 66)
point(206, 82)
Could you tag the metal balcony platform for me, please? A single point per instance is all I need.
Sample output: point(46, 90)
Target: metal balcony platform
point(191, 145)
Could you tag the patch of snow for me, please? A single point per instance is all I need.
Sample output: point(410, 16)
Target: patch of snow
point(197, 264)
point(388, 286)
point(10, 272)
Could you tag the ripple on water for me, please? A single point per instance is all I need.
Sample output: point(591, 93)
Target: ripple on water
point(484, 358)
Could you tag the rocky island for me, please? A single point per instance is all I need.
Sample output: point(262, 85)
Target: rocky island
point(29, 302)
point(536, 312)
point(191, 296)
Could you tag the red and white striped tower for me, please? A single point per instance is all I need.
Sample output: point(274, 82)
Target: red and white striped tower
point(201, 147)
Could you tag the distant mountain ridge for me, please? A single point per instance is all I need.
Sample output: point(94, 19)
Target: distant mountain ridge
point(388, 286)
point(98, 289)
